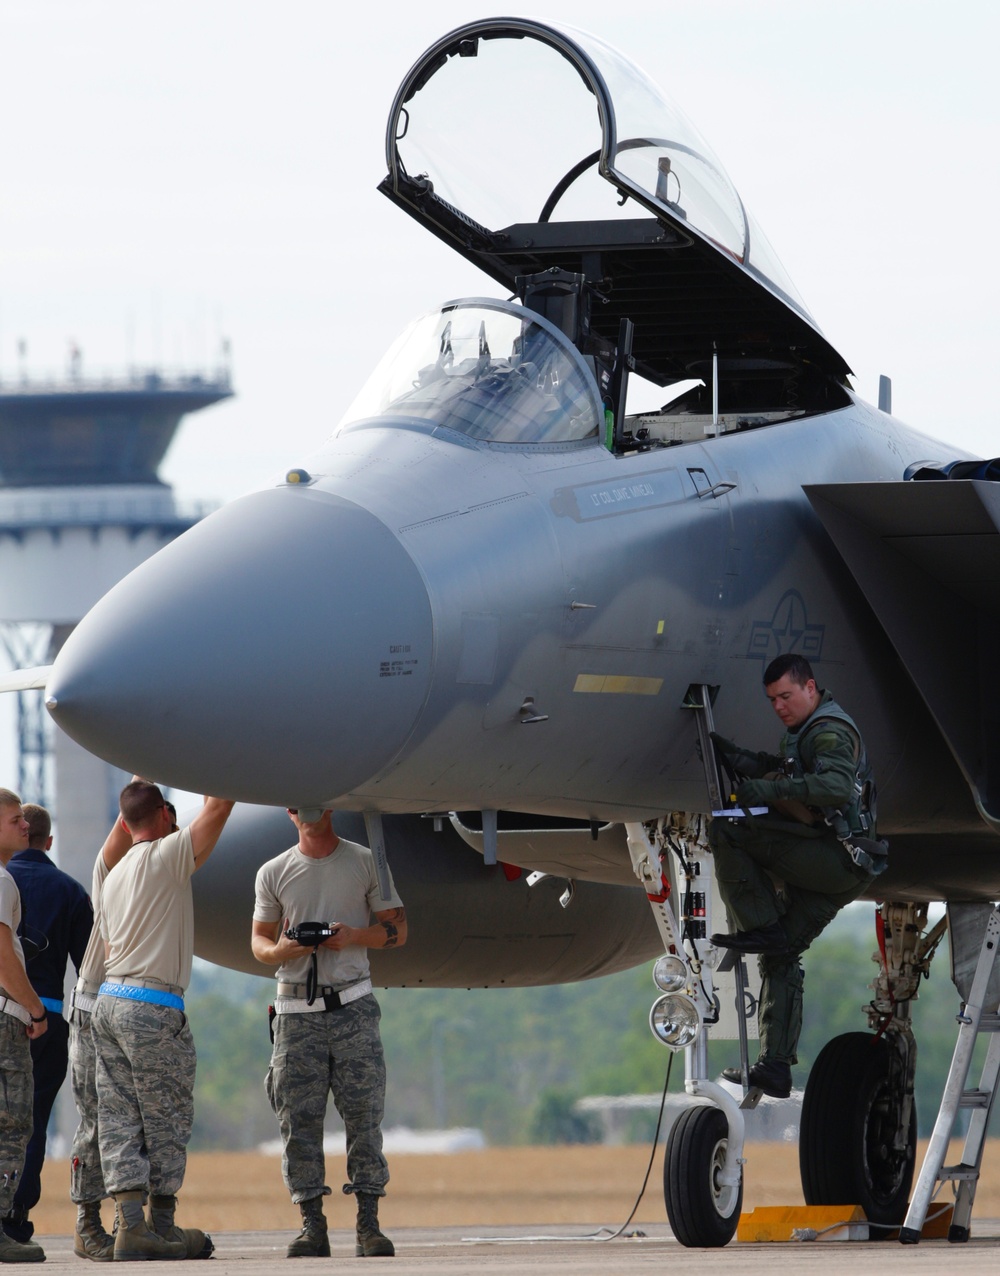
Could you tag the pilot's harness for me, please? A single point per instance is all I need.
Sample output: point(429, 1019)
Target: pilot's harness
point(853, 823)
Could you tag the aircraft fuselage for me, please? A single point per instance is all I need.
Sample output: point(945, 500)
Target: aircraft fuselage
point(429, 593)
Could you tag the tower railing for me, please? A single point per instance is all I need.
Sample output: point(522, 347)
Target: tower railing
point(139, 379)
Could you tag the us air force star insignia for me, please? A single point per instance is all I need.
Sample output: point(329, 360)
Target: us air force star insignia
point(788, 630)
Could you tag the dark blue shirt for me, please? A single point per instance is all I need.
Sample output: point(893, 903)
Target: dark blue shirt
point(56, 920)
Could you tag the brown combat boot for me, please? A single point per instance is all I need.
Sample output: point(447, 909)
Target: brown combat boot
point(313, 1241)
point(91, 1240)
point(134, 1238)
point(197, 1244)
point(371, 1242)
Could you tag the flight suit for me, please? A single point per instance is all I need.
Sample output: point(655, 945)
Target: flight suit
point(816, 874)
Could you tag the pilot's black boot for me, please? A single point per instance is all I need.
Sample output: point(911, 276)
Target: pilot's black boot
point(765, 939)
point(91, 1240)
point(371, 1242)
point(16, 1245)
point(18, 1225)
point(313, 1241)
point(161, 1219)
point(12, 1251)
point(773, 1076)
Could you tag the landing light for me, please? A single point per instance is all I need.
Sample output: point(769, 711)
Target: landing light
point(675, 1020)
point(670, 973)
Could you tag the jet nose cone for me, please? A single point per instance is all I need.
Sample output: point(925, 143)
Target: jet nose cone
point(278, 652)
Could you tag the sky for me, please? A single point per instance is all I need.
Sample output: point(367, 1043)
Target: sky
point(178, 175)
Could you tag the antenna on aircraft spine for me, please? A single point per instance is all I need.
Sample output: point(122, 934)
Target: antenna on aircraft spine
point(715, 390)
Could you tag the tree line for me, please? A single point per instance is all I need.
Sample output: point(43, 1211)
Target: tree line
point(512, 1061)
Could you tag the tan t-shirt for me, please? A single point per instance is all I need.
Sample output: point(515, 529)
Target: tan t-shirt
point(342, 887)
point(10, 914)
point(147, 912)
point(91, 974)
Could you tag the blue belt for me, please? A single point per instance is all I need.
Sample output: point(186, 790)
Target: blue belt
point(50, 1003)
point(133, 993)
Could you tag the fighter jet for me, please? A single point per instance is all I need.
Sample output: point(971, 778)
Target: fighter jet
point(496, 614)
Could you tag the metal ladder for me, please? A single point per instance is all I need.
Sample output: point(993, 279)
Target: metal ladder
point(699, 701)
point(973, 1020)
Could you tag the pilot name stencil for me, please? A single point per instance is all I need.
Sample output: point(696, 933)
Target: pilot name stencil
point(601, 500)
point(630, 492)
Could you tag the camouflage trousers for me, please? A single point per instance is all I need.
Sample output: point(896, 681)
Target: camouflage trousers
point(817, 879)
point(15, 1106)
point(145, 1094)
point(86, 1181)
point(336, 1052)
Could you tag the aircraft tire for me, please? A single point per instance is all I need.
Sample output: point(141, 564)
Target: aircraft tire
point(702, 1213)
point(850, 1112)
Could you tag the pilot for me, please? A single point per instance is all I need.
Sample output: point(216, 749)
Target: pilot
point(23, 1019)
point(145, 1052)
point(86, 1186)
point(326, 1020)
point(56, 923)
point(817, 840)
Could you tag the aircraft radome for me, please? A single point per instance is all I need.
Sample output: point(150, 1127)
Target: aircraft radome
point(495, 611)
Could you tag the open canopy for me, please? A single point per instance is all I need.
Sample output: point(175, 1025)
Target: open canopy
point(528, 146)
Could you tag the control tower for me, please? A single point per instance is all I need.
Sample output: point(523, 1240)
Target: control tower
point(81, 505)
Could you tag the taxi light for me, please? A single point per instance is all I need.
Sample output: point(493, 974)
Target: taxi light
point(670, 973)
point(674, 1020)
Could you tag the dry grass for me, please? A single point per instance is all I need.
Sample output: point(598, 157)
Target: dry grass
point(590, 1186)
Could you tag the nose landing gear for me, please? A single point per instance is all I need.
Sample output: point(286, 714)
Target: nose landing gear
point(703, 1165)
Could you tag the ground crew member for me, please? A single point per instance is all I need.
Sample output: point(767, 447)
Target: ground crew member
point(56, 921)
point(23, 1019)
point(145, 1052)
point(86, 1182)
point(817, 839)
point(326, 1033)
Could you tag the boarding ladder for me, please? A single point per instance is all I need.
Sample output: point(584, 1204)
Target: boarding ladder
point(699, 701)
point(973, 1020)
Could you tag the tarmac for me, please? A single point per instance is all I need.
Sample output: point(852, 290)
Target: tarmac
point(462, 1251)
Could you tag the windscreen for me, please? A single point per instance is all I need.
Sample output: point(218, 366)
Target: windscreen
point(490, 370)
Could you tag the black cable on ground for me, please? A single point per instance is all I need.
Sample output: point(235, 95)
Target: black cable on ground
point(652, 1158)
point(602, 1234)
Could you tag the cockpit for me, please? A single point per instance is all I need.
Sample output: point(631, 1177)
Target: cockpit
point(556, 165)
point(488, 369)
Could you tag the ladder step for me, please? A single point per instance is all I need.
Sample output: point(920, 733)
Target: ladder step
point(975, 1099)
point(987, 1023)
point(958, 1173)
